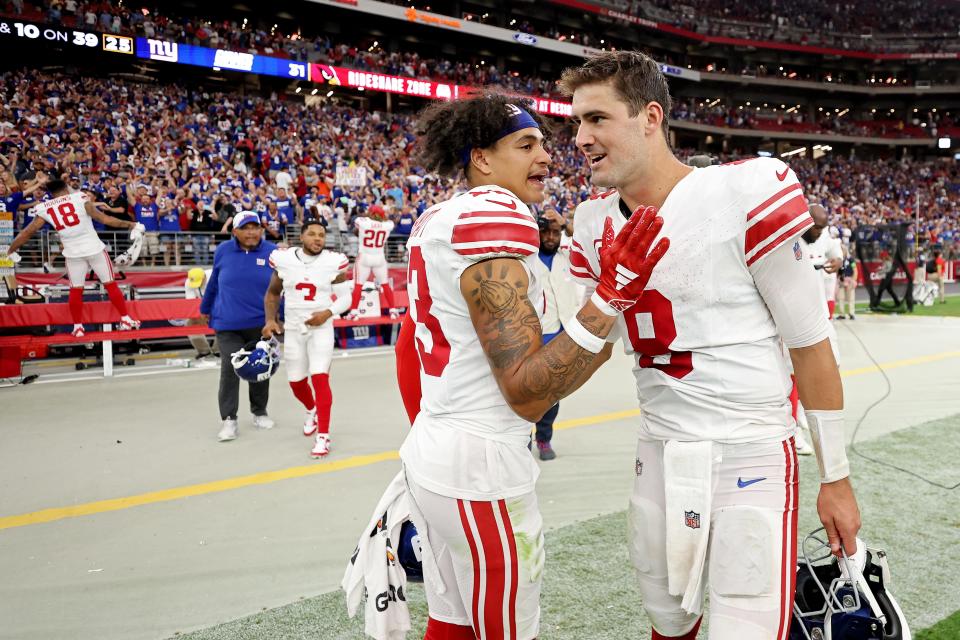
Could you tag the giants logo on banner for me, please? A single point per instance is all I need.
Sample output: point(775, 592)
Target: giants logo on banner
point(163, 51)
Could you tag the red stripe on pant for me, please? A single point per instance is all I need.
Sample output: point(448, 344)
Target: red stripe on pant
point(324, 400)
point(788, 557)
point(514, 568)
point(474, 554)
point(495, 568)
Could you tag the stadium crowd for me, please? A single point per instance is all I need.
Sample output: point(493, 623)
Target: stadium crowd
point(185, 159)
point(367, 53)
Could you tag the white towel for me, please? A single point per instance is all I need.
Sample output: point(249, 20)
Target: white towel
point(373, 570)
point(687, 477)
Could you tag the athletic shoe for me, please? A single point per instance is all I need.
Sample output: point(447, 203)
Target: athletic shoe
point(353, 315)
point(47, 267)
point(78, 331)
point(127, 323)
point(394, 314)
point(310, 422)
point(228, 431)
point(803, 446)
point(321, 447)
point(546, 451)
point(853, 317)
point(208, 361)
point(263, 422)
point(840, 317)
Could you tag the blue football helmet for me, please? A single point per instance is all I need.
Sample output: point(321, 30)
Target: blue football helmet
point(845, 599)
point(257, 361)
point(408, 552)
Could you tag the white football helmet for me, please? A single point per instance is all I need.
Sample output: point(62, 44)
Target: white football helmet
point(130, 256)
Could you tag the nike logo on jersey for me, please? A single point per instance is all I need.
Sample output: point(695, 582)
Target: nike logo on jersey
point(782, 176)
point(509, 205)
point(746, 483)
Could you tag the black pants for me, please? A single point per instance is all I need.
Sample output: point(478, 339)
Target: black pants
point(229, 395)
point(545, 424)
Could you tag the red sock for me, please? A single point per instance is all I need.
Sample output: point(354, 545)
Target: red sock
point(437, 630)
point(355, 298)
point(76, 304)
point(689, 635)
point(794, 398)
point(388, 294)
point(116, 297)
point(408, 368)
point(321, 387)
point(301, 389)
point(831, 305)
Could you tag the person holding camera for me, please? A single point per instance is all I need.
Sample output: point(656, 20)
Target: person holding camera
point(562, 297)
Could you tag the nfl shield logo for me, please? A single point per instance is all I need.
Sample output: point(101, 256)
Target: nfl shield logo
point(639, 467)
point(797, 253)
point(691, 519)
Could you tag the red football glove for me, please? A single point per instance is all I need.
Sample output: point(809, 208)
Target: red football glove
point(627, 261)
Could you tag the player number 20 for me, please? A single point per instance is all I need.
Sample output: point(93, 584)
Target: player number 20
point(373, 238)
point(67, 216)
point(660, 310)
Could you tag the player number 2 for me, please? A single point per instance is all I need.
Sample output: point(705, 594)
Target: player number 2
point(309, 290)
point(660, 312)
point(434, 361)
point(373, 238)
point(68, 216)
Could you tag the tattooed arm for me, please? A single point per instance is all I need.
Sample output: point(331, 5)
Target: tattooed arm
point(531, 377)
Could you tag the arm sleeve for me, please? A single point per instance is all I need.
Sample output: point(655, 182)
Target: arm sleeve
point(342, 291)
point(777, 211)
point(584, 261)
point(408, 368)
point(793, 292)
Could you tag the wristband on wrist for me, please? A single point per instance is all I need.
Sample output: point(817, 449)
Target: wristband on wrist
point(827, 433)
point(579, 334)
point(605, 307)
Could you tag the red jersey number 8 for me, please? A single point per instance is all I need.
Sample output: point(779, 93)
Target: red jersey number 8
point(68, 216)
point(432, 362)
point(664, 333)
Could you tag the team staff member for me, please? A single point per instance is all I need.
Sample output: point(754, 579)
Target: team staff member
point(193, 289)
point(233, 303)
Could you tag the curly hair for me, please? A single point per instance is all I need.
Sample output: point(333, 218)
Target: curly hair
point(446, 129)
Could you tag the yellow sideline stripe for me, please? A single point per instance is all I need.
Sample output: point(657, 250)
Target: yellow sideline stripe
point(266, 477)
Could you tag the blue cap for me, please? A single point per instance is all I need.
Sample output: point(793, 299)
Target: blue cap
point(245, 217)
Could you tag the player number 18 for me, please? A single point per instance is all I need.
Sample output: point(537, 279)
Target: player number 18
point(68, 216)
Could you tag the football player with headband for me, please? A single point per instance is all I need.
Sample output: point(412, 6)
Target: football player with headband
point(316, 291)
point(484, 372)
point(72, 215)
point(715, 491)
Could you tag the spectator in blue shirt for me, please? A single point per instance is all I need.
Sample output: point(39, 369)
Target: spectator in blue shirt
point(148, 214)
point(233, 304)
point(169, 230)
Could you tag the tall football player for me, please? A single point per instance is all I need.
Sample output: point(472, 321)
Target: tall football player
point(372, 230)
point(485, 374)
point(70, 213)
point(716, 469)
point(315, 291)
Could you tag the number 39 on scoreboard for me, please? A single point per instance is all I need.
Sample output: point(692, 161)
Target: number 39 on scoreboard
point(118, 44)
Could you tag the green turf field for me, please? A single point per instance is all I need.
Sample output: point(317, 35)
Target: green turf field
point(589, 593)
point(950, 308)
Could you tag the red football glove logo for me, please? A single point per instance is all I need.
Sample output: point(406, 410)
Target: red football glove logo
point(626, 260)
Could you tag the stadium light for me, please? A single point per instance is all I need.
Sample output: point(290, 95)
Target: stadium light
point(943, 143)
point(794, 152)
point(329, 93)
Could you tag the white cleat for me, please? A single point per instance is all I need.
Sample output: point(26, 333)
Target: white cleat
point(394, 314)
point(78, 331)
point(127, 324)
point(310, 422)
point(263, 422)
point(321, 447)
point(229, 431)
point(353, 315)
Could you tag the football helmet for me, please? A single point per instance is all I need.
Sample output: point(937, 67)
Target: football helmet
point(377, 212)
point(408, 552)
point(257, 361)
point(130, 256)
point(846, 598)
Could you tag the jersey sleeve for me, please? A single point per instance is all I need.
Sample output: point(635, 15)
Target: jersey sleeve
point(339, 263)
point(275, 259)
point(584, 261)
point(776, 208)
point(495, 227)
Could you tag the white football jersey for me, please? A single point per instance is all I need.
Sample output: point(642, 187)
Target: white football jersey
point(69, 217)
point(372, 235)
point(707, 357)
point(307, 280)
point(822, 251)
point(467, 442)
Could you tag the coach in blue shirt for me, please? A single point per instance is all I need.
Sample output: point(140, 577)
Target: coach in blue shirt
point(233, 303)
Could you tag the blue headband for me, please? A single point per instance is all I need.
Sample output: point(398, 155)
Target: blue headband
point(519, 119)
